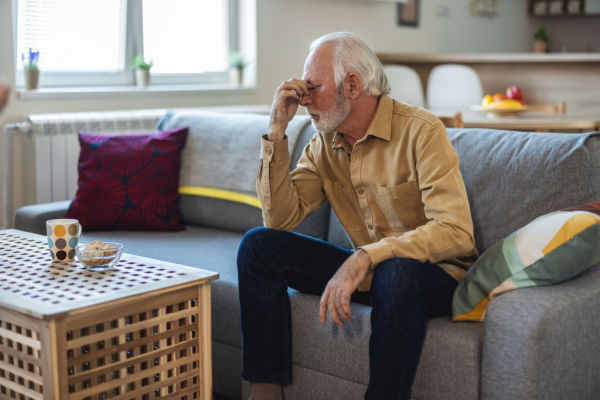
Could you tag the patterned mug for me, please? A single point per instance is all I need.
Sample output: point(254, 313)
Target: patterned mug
point(63, 236)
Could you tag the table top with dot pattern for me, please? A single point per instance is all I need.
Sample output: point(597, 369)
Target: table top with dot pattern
point(32, 284)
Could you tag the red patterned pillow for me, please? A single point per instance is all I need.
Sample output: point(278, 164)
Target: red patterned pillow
point(129, 181)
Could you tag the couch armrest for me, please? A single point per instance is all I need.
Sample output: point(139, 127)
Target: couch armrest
point(543, 342)
point(33, 218)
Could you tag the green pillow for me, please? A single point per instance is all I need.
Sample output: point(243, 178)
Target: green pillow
point(550, 249)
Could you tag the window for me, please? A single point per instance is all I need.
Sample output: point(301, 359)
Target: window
point(169, 49)
point(93, 42)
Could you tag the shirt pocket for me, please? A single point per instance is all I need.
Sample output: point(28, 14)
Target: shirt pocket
point(399, 208)
point(343, 201)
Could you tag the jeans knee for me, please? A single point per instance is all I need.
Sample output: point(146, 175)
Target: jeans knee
point(253, 237)
point(397, 278)
point(250, 243)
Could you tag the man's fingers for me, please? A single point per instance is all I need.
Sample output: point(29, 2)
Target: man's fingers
point(323, 305)
point(334, 315)
point(332, 307)
point(298, 86)
point(340, 306)
point(290, 93)
point(345, 306)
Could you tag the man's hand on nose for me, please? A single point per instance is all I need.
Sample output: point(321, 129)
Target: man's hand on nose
point(285, 104)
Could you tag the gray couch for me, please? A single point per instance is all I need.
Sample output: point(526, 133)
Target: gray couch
point(536, 343)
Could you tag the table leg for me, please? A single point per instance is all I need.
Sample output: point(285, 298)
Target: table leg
point(205, 341)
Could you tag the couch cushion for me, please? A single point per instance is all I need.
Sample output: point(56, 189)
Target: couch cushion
point(343, 352)
point(129, 181)
point(550, 249)
point(514, 177)
point(199, 247)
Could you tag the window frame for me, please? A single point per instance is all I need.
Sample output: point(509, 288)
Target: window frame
point(133, 45)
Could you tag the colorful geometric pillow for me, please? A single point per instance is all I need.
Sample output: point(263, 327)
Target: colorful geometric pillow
point(129, 181)
point(550, 249)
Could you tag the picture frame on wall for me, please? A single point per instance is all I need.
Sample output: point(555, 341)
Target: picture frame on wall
point(408, 13)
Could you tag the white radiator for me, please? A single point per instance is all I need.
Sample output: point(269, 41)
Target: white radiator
point(40, 155)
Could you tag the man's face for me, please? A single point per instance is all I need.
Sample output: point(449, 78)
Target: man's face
point(327, 105)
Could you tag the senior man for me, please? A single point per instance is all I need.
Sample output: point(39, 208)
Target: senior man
point(392, 176)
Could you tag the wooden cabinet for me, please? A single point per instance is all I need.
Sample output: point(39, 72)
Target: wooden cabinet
point(563, 8)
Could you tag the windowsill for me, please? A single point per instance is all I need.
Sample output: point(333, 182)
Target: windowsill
point(126, 91)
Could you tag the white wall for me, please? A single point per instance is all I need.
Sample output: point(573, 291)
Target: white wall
point(285, 29)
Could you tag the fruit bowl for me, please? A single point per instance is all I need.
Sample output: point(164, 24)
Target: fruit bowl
point(500, 112)
point(99, 256)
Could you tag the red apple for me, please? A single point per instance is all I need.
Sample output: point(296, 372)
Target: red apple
point(514, 93)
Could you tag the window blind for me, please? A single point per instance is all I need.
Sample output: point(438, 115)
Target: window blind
point(73, 35)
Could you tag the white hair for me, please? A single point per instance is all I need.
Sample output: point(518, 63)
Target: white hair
point(353, 54)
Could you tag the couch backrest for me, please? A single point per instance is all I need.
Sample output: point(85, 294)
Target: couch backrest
point(218, 168)
point(514, 177)
point(511, 177)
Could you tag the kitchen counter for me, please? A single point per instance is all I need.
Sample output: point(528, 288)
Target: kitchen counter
point(402, 58)
point(544, 78)
point(541, 122)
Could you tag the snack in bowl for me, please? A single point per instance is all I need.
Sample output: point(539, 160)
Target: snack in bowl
point(98, 255)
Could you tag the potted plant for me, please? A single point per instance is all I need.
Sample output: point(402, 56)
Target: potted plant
point(142, 70)
point(31, 69)
point(237, 63)
point(541, 40)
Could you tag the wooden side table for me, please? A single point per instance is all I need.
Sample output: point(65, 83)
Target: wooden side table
point(140, 331)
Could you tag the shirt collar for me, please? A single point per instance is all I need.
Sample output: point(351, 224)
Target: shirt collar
point(380, 126)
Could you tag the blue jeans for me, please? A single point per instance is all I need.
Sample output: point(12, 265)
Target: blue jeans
point(404, 294)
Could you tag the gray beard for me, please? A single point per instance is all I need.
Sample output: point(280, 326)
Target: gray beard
point(329, 121)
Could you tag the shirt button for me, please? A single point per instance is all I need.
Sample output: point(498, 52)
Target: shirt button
point(370, 227)
point(268, 150)
point(361, 191)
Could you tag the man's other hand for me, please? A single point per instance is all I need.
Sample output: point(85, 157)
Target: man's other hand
point(285, 104)
point(339, 289)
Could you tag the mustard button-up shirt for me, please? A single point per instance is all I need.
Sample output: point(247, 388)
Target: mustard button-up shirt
point(398, 192)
